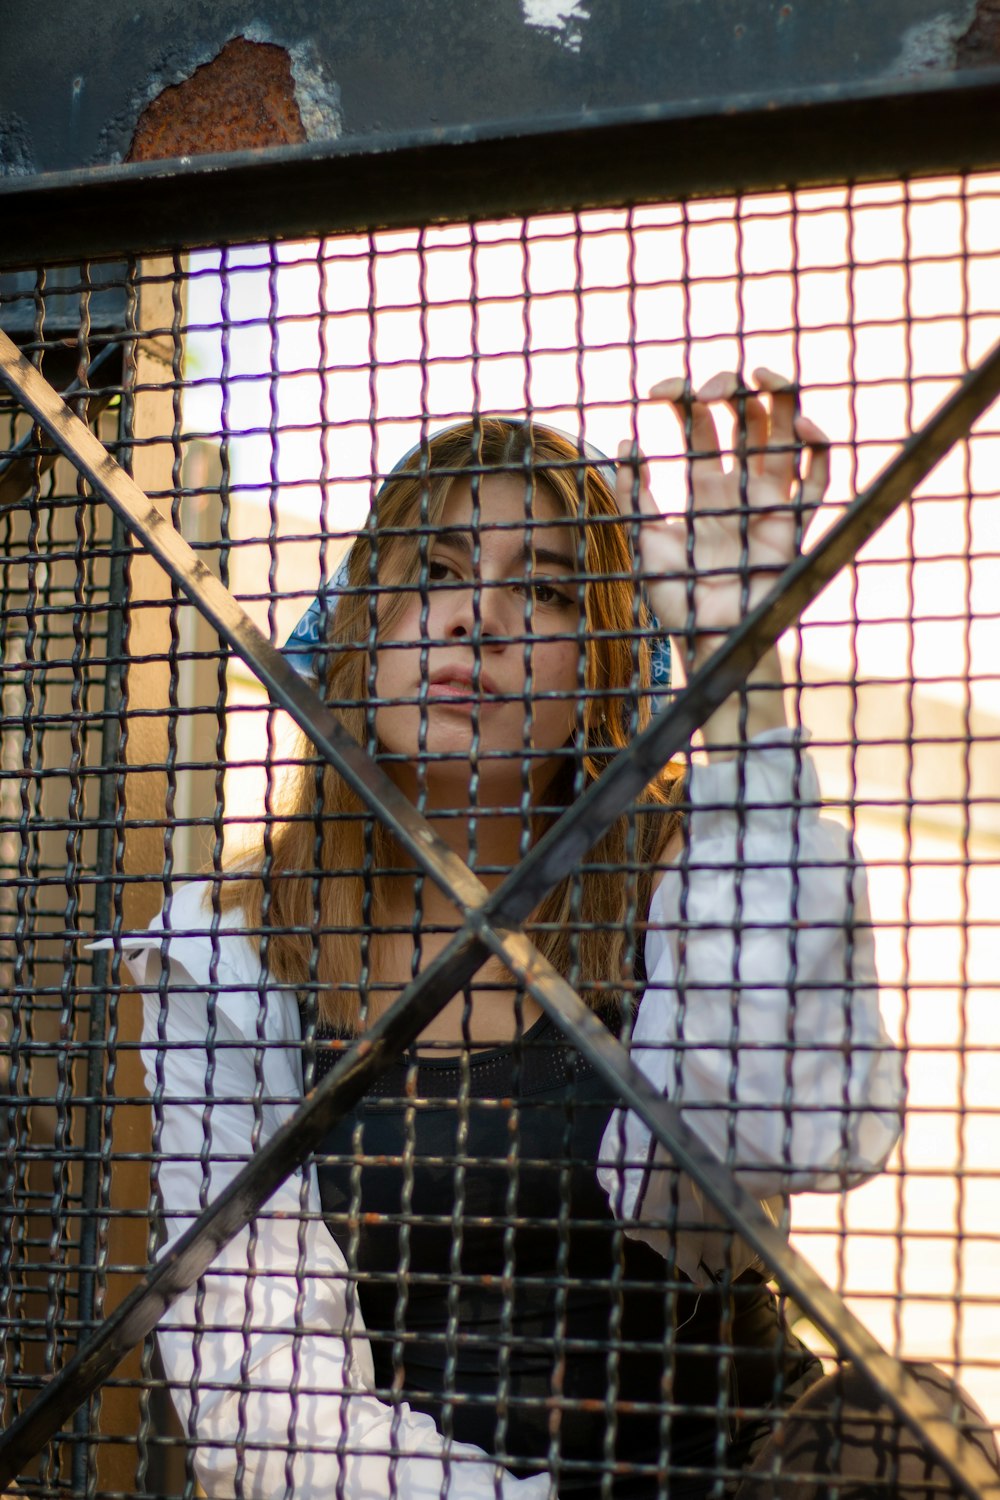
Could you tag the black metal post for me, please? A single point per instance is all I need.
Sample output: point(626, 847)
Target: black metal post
point(97, 1010)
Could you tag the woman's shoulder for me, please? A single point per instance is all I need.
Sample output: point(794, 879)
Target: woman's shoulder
point(669, 839)
point(197, 907)
point(192, 931)
point(198, 949)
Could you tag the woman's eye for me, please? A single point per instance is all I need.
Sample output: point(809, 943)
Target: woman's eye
point(547, 593)
point(438, 570)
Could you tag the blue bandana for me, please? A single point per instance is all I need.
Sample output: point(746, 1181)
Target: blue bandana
point(303, 648)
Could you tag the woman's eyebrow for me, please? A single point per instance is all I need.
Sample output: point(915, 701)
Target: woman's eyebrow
point(536, 555)
point(460, 537)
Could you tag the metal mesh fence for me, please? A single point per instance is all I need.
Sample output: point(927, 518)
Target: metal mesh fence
point(484, 1277)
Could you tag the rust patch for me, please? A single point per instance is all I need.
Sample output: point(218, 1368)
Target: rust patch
point(980, 46)
point(242, 99)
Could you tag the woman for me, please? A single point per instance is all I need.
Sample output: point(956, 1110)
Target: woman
point(485, 1284)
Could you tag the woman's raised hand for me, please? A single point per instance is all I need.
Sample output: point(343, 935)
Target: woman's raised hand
point(704, 571)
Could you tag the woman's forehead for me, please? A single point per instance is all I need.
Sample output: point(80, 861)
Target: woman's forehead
point(503, 500)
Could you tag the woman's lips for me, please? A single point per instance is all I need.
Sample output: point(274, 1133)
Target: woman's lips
point(459, 687)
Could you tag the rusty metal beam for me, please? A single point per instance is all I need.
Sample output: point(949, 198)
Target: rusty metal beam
point(734, 144)
point(127, 82)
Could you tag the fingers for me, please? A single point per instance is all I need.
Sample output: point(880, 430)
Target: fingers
point(757, 428)
point(771, 432)
point(632, 482)
point(751, 415)
point(702, 436)
point(784, 404)
point(817, 473)
point(789, 429)
point(778, 458)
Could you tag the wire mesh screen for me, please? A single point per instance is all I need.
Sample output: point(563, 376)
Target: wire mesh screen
point(498, 490)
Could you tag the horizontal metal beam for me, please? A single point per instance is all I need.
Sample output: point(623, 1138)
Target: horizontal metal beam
point(946, 123)
point(128, 83)
point(484, 932)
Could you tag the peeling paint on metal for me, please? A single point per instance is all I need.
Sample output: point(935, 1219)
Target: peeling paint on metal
point(980, 46)
point(317, 96)
point(243, 99)
point(932, 44)
point(170, 69)
point(365, 72)
point(564, 20)
point(16, 156)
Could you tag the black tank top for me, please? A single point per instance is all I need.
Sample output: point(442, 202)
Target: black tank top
point(501, 1297)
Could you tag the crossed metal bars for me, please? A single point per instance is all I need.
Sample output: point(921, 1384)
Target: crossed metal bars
point(491, 925)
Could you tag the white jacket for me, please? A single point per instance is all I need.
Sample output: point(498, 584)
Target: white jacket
point(773, 1043)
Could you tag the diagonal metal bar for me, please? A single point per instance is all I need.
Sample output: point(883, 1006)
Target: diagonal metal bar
point(727, 669)
point(18, 472)
point(965, 1464)
point(286, 687)
point(426, 995)
point(192, 1254)
point(194, 1251)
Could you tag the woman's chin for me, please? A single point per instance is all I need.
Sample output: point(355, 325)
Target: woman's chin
point(464, 777)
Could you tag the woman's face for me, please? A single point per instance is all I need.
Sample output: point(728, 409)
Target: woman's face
point(477, 702)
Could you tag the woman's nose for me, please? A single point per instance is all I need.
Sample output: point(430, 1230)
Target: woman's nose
point(476, 609)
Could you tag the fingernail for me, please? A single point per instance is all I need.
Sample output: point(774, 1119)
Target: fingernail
point(777, 382)
point(670, 390)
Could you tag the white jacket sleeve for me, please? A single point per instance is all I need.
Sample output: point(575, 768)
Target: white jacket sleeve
point(760, 1017)
point(267, 1358)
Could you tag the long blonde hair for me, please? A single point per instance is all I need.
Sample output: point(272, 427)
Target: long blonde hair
point(313, 885)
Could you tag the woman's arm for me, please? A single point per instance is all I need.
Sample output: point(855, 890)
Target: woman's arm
point(705, 571)
point(761, 1017)
point(267, 1357)
point(761, 1013)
